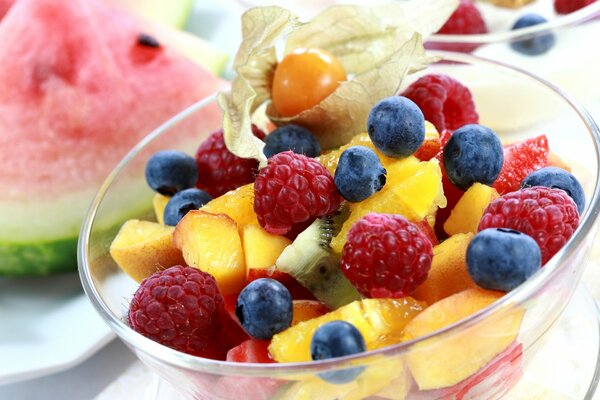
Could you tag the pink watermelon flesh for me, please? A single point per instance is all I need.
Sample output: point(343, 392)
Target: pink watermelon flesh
point(80, 91)
point(4, 6)
point(77, 91)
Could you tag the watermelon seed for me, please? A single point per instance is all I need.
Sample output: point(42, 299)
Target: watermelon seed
point(147, 40)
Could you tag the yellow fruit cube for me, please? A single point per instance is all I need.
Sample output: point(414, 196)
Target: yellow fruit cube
point(448, 273)
point(467, 213)
point(211, 243)
point(142, 248)
point(261, 248)
point(159, 202)
point(238, 204)
point(447, 360)
point(413, 189)
point(376, 319)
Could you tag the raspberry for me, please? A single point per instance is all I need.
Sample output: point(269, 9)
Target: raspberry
point(568, 6)
point(292, 189)
point(445, 102)
point(219, 170)
point(548, 215)
point(465, 20)
point(180, 307)
point(386, 256)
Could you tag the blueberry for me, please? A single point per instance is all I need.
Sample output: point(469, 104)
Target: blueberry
point(182, 202)
point(359, 173)
point(535, 45)
point(337, 339)
point(292, 137)
point(473, 154)
point(396, 126)
point(502, 259)
point(557, 178)
point(170, 171)
point(264, 308)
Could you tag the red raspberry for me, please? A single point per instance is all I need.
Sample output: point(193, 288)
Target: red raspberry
point(465, 20)
point(568, 6)
point(219, 170)
point(180, 307)
point(445, 102)
point(386, 256)
point(548, 215)
point(292, 189)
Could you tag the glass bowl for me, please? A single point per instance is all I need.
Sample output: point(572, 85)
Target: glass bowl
point(571, 64)
point(481, 356)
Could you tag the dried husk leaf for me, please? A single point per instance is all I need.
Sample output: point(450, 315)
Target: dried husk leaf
point(344, 113)
point(362, 37)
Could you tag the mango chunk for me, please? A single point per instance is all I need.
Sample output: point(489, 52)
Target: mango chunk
point(159, 202)
point(261, 248)
point(467, 213)
point(238, 204)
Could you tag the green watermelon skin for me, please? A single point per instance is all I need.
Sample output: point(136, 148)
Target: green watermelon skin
point(42, 258)
point(77, 92)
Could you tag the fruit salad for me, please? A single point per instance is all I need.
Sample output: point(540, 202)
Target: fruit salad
point(320, 255)
point(311, 251)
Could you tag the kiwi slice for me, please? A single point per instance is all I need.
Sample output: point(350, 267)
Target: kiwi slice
point(310, 260)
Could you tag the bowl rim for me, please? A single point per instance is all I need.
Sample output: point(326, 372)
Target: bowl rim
point(511, 299)
point(562, 22)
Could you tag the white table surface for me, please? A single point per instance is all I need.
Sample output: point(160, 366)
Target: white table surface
point(95, 377)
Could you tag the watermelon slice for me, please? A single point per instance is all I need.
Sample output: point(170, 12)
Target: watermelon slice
point(77, 90)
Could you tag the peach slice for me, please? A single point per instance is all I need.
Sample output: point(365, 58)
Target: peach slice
point(468, 211)
point(159, 203)
point(211, 243)
point(261, 248)
point(448, 274)
point(238, 204)
point(305, 310)
point(141, 248)
point(444, 361)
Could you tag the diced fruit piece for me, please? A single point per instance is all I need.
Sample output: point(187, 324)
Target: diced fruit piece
point(159, 202)
point(413, 189)
point(292, 190)
point(555, 161)
point(337, 339)
point(310, 261)
point(557, 178)
point(292, 137)
point(305, 310)
point(181, 308)
point(211, 243)
point(445, 102)
point(379, 375)
point(261, 248)
point(182, 202)
point(495, 379)
point(502, 259)
point(374, 318)
point(536, 45)
point(331, 159)
point(448, 274)
point(432, 144)
point(473, 154)
point(251, 351)
point(359, 174)
point(470, 349)
point(467, 213)
point(237, 204)
point(396, 126)
point(264, 308)
point(548, 215)
point(303, 78)
point(521, 159)
point(386, 256)
point(141, 248)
